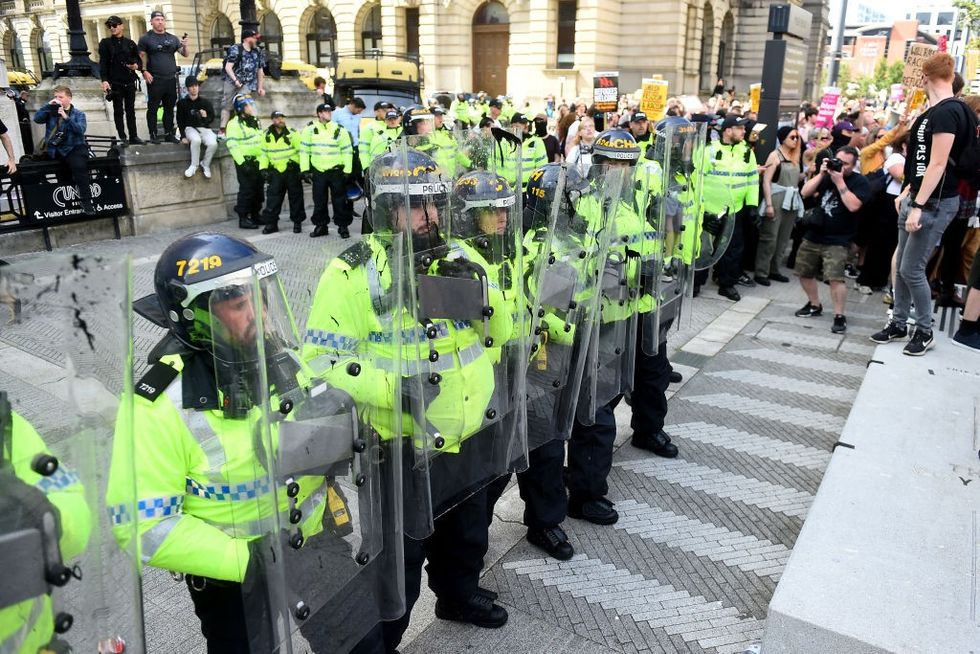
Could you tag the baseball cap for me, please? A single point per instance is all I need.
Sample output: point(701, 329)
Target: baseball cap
point(324, 106)
point(844, 125)
point(113, 20)
point(277, 114)
point(733, 121)
point(519, 118)
point(496, 103)
point(391, 113)
point(157, 14)
point(638, 117)
point(382, 105)
point(438, 111)
point(248, 33)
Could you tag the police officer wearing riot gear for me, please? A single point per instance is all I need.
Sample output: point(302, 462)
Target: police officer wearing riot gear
point(243, 136)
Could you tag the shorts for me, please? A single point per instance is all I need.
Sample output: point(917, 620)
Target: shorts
point(228, 93)
point(814, 257)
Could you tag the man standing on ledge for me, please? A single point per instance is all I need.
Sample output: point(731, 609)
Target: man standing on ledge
point(159, 47)
point(119, 61)
point(243, 73)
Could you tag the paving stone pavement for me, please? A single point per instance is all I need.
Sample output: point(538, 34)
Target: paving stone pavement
point(702, 539)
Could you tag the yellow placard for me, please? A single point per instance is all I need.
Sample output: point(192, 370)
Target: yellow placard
point(654, 102)
point(917, 100)
point(755, 97)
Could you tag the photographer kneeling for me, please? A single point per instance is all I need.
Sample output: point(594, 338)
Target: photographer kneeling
point(830, 229)
point(64, 140)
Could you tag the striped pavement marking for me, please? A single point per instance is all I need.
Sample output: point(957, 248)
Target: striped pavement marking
point(712, 481)
point(788, 384)
point(677, 612)
point(773, 449)
point(802, 361)
point(774, 334)
point(772, 411)
point(733, 548)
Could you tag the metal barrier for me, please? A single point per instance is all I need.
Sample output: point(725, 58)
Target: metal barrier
point(42, 194)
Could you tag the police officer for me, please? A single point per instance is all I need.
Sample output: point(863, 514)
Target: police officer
point(243, 136)
point(533, 153)
point(449, 156)
point(280, 163)
point(731, 183)
point(119, 64)
point(368, 132)
point(383, 138)
point(326, 158)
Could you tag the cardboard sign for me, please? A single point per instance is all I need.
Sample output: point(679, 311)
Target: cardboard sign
point(605, 91)
point(918, 53)
point(654, 101)
point(828, 107)
point(755, 96)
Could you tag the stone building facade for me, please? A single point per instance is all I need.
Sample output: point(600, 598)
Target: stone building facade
point(525, 48)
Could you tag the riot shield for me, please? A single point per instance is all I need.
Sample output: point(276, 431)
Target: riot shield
point(614, 224)
point(306, 495)
point(68, 551)
point(461, 373)
point(563, 266)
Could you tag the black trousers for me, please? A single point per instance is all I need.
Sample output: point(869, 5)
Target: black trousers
point(250, 186)
point(590, 453)
point(750, 237)
point(455, 552)
point(366, 227)
point(77, 162)
point(729, 268)
point(876, 271)
point(280, 184)
point(334, 184)
point(124, 102)
point(161, 92)
point(950, 267)
point(651, 378)
point(27, 137)
point(541, 485)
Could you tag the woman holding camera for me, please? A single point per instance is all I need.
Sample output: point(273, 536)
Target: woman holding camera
point(64, 140)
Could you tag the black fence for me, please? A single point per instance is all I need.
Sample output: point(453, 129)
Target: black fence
point(42, 194)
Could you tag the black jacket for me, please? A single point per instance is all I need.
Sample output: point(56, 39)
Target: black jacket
point(114, 55)
point(188, 113)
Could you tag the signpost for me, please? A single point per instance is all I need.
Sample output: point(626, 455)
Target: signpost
point(605, 91)
point(783, 69)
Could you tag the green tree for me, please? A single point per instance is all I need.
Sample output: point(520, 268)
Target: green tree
point(970, 14)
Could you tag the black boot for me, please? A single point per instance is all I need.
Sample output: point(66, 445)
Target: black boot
point(154, 138)
point(477, 609)
point(658, 443)
point(271, 228)
point(244, 222)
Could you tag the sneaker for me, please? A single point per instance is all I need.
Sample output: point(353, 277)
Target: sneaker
point(850, 271)
point(552, 540)
point(745, 280)
point(891, 332)
point(809, 311)
point(967, 338)
point(207, 171)
point(864, 290)
point(190, 171)
point(840, 324)
point(920, 342)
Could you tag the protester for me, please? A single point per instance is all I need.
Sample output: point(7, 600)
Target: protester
point(830, 229)
point(551, 145)
point(242, 72)
point(159, 48)
point(24, 118)
point(928, 202)
point(783, 204)
point(195, 114)
point(968, 334)
point(580, 154)
point(64, 140)
point(881, 213)
point(119, 61)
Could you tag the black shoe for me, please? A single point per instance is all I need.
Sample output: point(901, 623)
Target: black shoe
point(809, 311)
point(658, 443)
point(676, 377)
point(762, 281)
point(920, 342)
point(840, 324)
point(486, 592)
point(745, 280)
point(553, 540)
point(154, 138)
point(967, 336)
point(297, 228)
point(892, 332)
point(778, 277)
point(729, 292)
point(271, 228)
point(87, 207)
point(344, 232)
point(476, 610)
point(170, 137)
point(135, 140)
point(320, 230)
point(247, 223)
point(598, 512)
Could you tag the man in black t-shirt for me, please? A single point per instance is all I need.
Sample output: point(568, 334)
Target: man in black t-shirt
point(160, 49)
point(831, 228)
point(928, 203)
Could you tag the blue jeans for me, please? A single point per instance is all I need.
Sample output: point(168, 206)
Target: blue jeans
point(914, 250)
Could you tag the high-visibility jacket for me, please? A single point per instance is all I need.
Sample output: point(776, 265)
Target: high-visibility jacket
point(324, 146)
point(279, 150)
point(26, 627)
point(442, 146)
point(368, 132)
point(243, 140)
point(731, 179)
point(203, 489)
point(344, 327)
point(381, 142)
point(530, 156)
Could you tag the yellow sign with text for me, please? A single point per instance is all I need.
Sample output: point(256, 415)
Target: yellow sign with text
point(755, 97)
point(912, 75)
point(654, 101)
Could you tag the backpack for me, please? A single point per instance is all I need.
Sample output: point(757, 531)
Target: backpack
point(967, 165)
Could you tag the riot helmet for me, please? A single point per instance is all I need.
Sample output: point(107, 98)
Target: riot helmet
point(410, 195)
point(541, 188)
point(615, 146)
point(417, 121)
point(481, 202)
point(675, 139)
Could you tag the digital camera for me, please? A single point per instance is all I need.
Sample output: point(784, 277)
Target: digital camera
point(835, 164)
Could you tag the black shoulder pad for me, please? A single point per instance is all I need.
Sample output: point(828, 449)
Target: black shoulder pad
point(155, 381)
point(356, 255)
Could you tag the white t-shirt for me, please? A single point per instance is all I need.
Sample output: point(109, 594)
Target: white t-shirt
point(894, 186)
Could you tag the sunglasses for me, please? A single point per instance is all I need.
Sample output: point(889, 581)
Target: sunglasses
point(792, 136)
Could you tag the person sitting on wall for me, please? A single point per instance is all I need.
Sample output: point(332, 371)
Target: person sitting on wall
point(64, 141)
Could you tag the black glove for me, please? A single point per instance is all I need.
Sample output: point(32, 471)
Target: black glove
point(266, 175)
point(338, 168)
point(632, 254)
point(251, 162)
point(307, 177)
point(419, 391)
point(461, 268)
point(713, 223)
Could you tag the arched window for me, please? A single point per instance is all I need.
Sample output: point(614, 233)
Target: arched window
point(222, 33)
point(707, 48)
point(271, 32)
point(42, 45)
point(321, 38)
point(16, 52)
point(726, 45)
point(371, 30)
point(491, 13)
